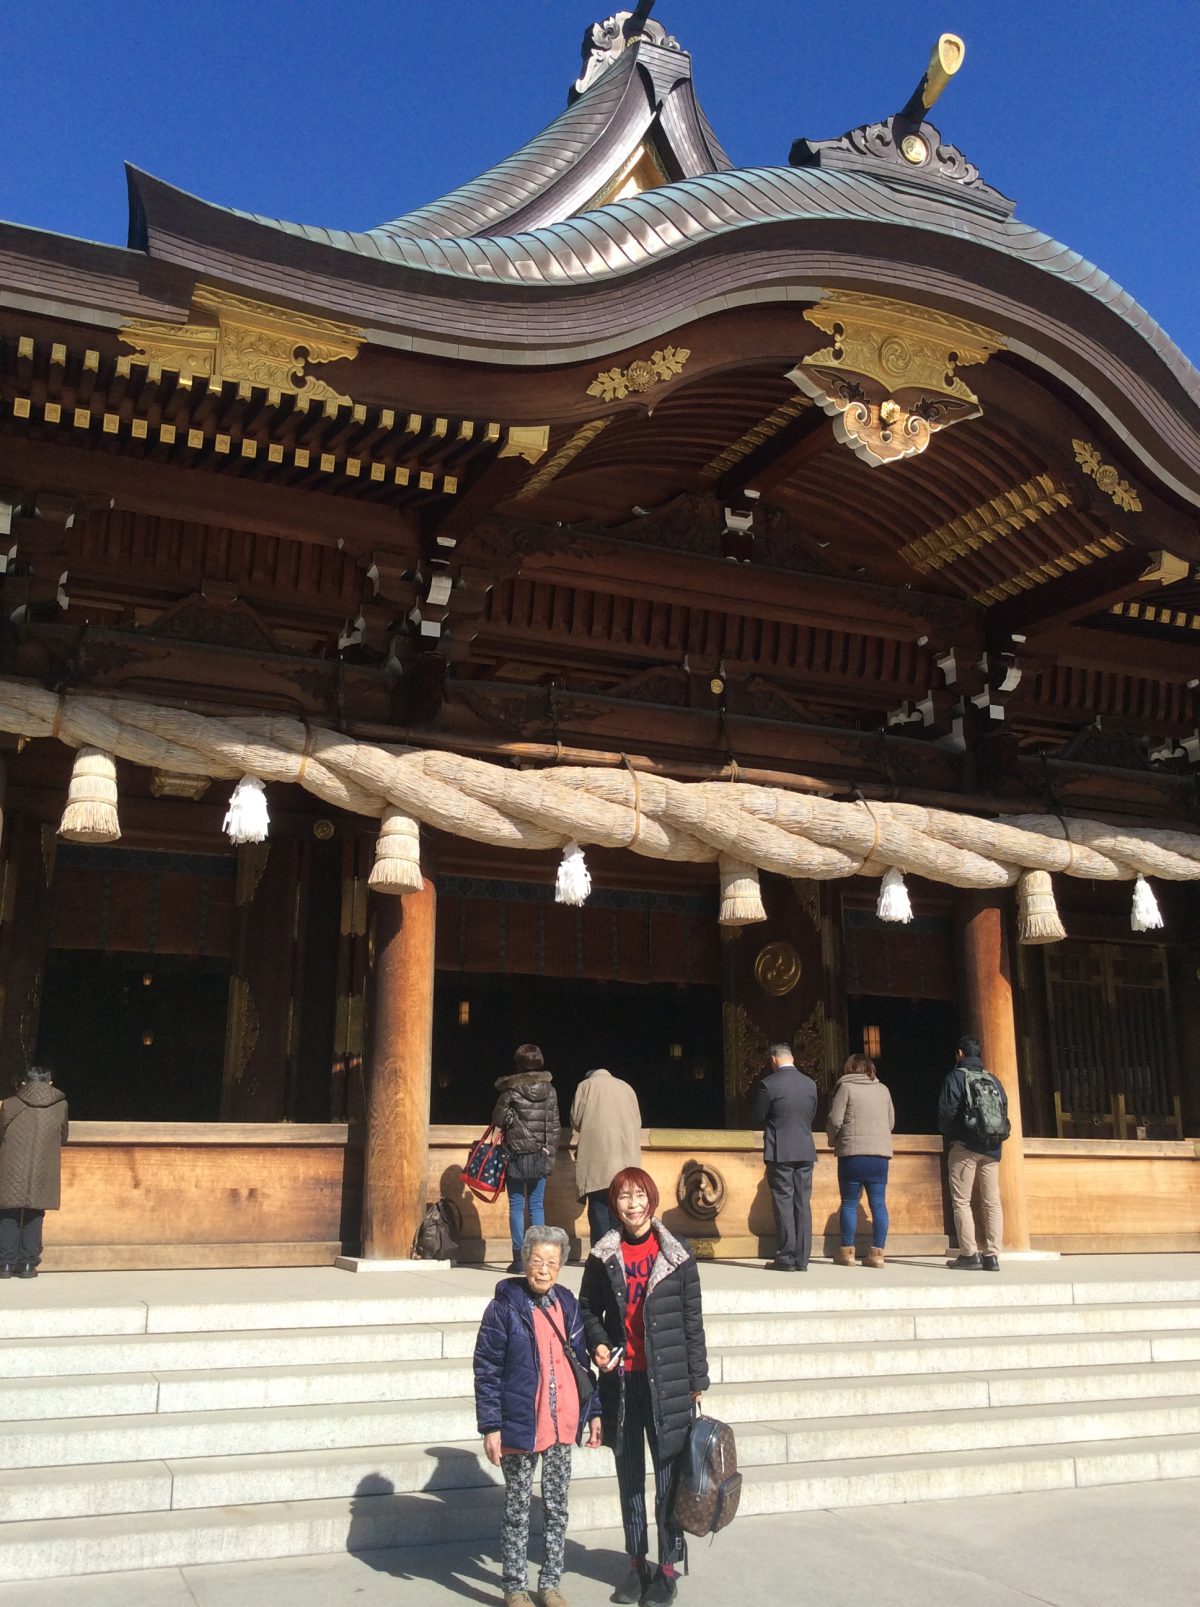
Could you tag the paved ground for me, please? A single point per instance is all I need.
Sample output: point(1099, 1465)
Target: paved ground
point(1115, 1547)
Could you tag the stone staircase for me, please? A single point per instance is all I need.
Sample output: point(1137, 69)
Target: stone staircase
point(139, 1436)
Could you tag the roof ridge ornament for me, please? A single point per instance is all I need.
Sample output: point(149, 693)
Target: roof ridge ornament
point(605, 43)
point(905, 148)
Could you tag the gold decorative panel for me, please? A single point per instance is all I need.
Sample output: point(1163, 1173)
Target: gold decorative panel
point(1106, 477)
point(642, 375)
point(777, 969)
point(250, 342)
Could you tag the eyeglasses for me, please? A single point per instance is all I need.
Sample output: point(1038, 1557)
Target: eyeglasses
point(535, 1265)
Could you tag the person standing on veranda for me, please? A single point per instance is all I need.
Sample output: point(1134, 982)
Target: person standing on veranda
point(606, 1123)
point(33, 1130)
point(783, 1104)
point(859, 1128)
point(527, 1113)
point(973, 1118)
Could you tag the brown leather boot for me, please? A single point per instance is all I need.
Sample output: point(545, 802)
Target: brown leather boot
point(844, 1256)
point(875, 1258)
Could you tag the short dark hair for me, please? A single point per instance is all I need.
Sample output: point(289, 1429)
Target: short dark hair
point(859, 1066)
point(970, 1046)
point(778, 1050)
point(39, 1074)
point(529, 1058)
point(633, 1177)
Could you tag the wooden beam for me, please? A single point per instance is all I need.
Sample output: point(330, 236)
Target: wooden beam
point(1116, 578)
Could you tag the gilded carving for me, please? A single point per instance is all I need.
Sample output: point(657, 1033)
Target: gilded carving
point(701, 1190)
point(566, 454)
point(1106, 477)
point(642, 375)
point(756, 436)
point(809, 1045)
point(889, 379)
point(1061, 564)
point(241, 1032)
point(251, 862)
point(249, 342)
point(745, 1050)
point(1023, 504)
point(528, 441)
point(777, 968)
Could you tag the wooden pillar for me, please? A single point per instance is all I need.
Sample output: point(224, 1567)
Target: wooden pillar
point(988, 1000)
point(401, 1046)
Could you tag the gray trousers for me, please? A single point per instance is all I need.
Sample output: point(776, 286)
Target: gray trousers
point(790, 1183)
point(20, 1236)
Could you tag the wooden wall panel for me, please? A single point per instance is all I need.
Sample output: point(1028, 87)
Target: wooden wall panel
point(1097, 1195)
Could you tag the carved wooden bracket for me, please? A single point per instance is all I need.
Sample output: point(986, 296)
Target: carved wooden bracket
point(888, 381)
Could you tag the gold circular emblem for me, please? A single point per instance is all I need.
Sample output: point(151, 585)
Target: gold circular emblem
point(777, 969)
point(322, 830)
point(914, 149)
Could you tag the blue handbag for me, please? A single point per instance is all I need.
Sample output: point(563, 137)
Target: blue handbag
point(487, 1166)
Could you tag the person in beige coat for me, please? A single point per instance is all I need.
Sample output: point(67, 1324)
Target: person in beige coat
point(33, 1130)
point(606, 1124)
point(861, 1119)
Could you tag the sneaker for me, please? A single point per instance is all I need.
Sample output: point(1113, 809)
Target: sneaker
point(552, 1597)
point(634, 1586)
point(661, 1589)
point(965, 1263)
point(991, 1263)
point(518, 1598)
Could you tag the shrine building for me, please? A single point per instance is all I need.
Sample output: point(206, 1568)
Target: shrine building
point(662, 608)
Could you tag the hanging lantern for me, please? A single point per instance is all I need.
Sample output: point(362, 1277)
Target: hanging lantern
point(91, 812)
point(246, 819)
point(1037, 914)
point(1146, 915)
point(573, 882)
point(894, 903)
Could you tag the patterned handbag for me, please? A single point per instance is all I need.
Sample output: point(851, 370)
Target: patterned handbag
point(487, 1166)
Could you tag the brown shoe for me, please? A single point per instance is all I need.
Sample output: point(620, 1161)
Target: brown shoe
point(875, 1258)
point(552, 1597)
point(844, 1255)
point(518, 1598)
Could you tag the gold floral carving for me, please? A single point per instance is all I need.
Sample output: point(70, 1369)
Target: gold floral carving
point(249, 342)
point(1106, 477)
point(241, 1032)
point(745, 1050)
point(701, 1190)
point(777, 968)
point(642, 375)
point(809, 1045)
point(889, 379)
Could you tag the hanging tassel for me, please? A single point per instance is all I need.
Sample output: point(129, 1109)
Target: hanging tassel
point(893, 902)
point(246, 819)
point(1037, 913)
point(573, 883)
point(91, 812)
point(397, 867)
point(741, 899)
point(1146, 916)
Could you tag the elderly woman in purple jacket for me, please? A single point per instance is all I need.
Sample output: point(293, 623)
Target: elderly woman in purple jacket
point(527, 1405)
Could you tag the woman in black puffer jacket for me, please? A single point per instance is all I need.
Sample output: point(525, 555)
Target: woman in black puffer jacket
point(527, 1110)
point(642, 1318)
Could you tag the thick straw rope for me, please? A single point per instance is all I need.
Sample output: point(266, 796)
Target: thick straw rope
point(758, 828)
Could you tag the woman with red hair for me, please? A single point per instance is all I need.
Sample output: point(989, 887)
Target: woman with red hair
point(642, 1318)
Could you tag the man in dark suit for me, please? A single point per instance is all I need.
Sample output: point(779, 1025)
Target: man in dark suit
point(784, 1104)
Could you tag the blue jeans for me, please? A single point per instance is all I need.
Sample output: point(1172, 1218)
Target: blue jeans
point(856, 1172)
point(518, 1193)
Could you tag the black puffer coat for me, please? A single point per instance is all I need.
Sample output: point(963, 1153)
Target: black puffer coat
point(527, 1110)
point(676, 1357)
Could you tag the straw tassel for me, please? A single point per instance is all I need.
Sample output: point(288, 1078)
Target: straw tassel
point(741, 897)
point(573, 883)
point(397, 867)
point(246, 819)
point(1146, 915)
point(91, 812)
point(894, 903)
point(1037, 913)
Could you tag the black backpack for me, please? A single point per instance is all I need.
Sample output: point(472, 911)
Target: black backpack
point(437, 1237)
point(983, 1112)
point(708, 1486)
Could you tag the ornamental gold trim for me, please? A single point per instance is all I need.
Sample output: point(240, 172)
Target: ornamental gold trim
point(566, 455)
point(642, 375)
point(898, 345)
point(777, 968)
point(758, 435)
point(1106, 477)
point(248, 342)
point(1062, 563)
point(988, 522)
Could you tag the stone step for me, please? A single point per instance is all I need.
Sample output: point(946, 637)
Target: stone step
point(282, 1348)
point(425, 1419)
point(371, 1520)
point(309, 1475)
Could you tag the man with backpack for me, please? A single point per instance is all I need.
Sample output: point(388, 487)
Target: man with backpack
point(973, 1116)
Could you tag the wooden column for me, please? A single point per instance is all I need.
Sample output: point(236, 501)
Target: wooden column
point(401, 1045)
point(988, 1002)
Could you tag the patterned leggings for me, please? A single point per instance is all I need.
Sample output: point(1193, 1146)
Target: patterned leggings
point(517, 1467)
point(631, 1476)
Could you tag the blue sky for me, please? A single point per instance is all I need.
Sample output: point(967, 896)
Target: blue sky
point(347, 112)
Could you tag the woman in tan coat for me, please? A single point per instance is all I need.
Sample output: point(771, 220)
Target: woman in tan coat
point(860, 1126)
point(606, 1127)
point(33, 1130)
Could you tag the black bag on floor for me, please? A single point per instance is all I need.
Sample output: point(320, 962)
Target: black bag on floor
point(708, 1486)
point(437, 1237)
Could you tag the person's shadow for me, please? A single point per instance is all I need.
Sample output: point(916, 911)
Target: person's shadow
point(382, 1521)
